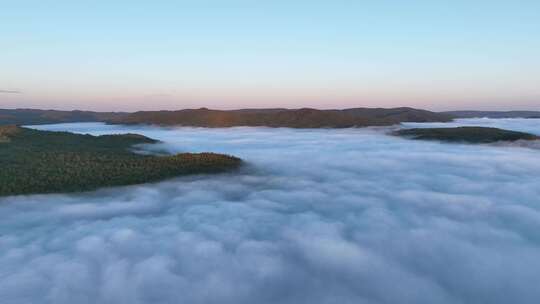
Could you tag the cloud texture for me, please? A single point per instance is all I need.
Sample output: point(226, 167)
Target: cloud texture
point(317, 216)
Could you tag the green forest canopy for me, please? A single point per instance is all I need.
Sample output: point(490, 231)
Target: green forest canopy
point(35, 161)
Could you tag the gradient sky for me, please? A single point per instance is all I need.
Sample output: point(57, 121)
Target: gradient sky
point(131, 55)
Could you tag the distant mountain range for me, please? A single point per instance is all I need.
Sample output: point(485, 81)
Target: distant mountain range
point(494, 114)
point(293, 118)
point(36, 117)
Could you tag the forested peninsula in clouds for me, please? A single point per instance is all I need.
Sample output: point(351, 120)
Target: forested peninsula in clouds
point(34, 161)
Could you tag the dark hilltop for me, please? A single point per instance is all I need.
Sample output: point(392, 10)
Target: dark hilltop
point(474, 135)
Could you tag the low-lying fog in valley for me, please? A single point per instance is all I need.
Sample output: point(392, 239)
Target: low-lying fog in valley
point(315, 216)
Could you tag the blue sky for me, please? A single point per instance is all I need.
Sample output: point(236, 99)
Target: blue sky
point(130, 55)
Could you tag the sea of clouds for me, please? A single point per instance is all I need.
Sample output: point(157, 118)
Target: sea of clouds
point(315, 216)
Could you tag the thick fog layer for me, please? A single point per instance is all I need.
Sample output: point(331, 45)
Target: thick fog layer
point(316, 216)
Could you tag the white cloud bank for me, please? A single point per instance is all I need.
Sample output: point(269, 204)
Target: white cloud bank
point(318, 216)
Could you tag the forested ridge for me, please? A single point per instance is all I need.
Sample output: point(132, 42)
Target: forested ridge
point(466, 134)
point(203, 117)
point(289, 118)
point(33, 161)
